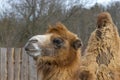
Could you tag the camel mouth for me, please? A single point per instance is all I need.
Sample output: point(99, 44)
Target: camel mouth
point(32, 49)
point(33, 52)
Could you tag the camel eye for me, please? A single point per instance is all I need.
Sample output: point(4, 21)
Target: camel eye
point(58, 42)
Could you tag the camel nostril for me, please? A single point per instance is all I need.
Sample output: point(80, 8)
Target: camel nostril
point(33, 40)
point(26, 49)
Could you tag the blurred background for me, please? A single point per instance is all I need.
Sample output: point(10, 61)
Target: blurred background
point(21, 19)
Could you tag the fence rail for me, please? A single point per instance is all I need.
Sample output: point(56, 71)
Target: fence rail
point(15, 64)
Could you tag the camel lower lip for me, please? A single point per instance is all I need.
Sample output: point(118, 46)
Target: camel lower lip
point(32, 50)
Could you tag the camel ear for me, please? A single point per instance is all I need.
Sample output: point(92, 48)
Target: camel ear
point(77, 44)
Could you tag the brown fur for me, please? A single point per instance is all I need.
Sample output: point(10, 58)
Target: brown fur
point(102, 53)
point(65, 65)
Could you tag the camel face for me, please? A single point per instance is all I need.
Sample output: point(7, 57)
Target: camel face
point(56, 42)
point(44, 45)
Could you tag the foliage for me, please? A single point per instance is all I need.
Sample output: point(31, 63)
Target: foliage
point(30, 17)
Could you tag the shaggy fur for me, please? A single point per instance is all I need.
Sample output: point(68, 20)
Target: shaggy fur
point(102, 53)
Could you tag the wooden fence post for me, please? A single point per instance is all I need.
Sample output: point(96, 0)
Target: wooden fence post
point(17, 63)
point(3, 64)
point(24, 66)
point(0, 63)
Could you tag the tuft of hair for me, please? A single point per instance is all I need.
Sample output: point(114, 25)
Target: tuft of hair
point(103, 18)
